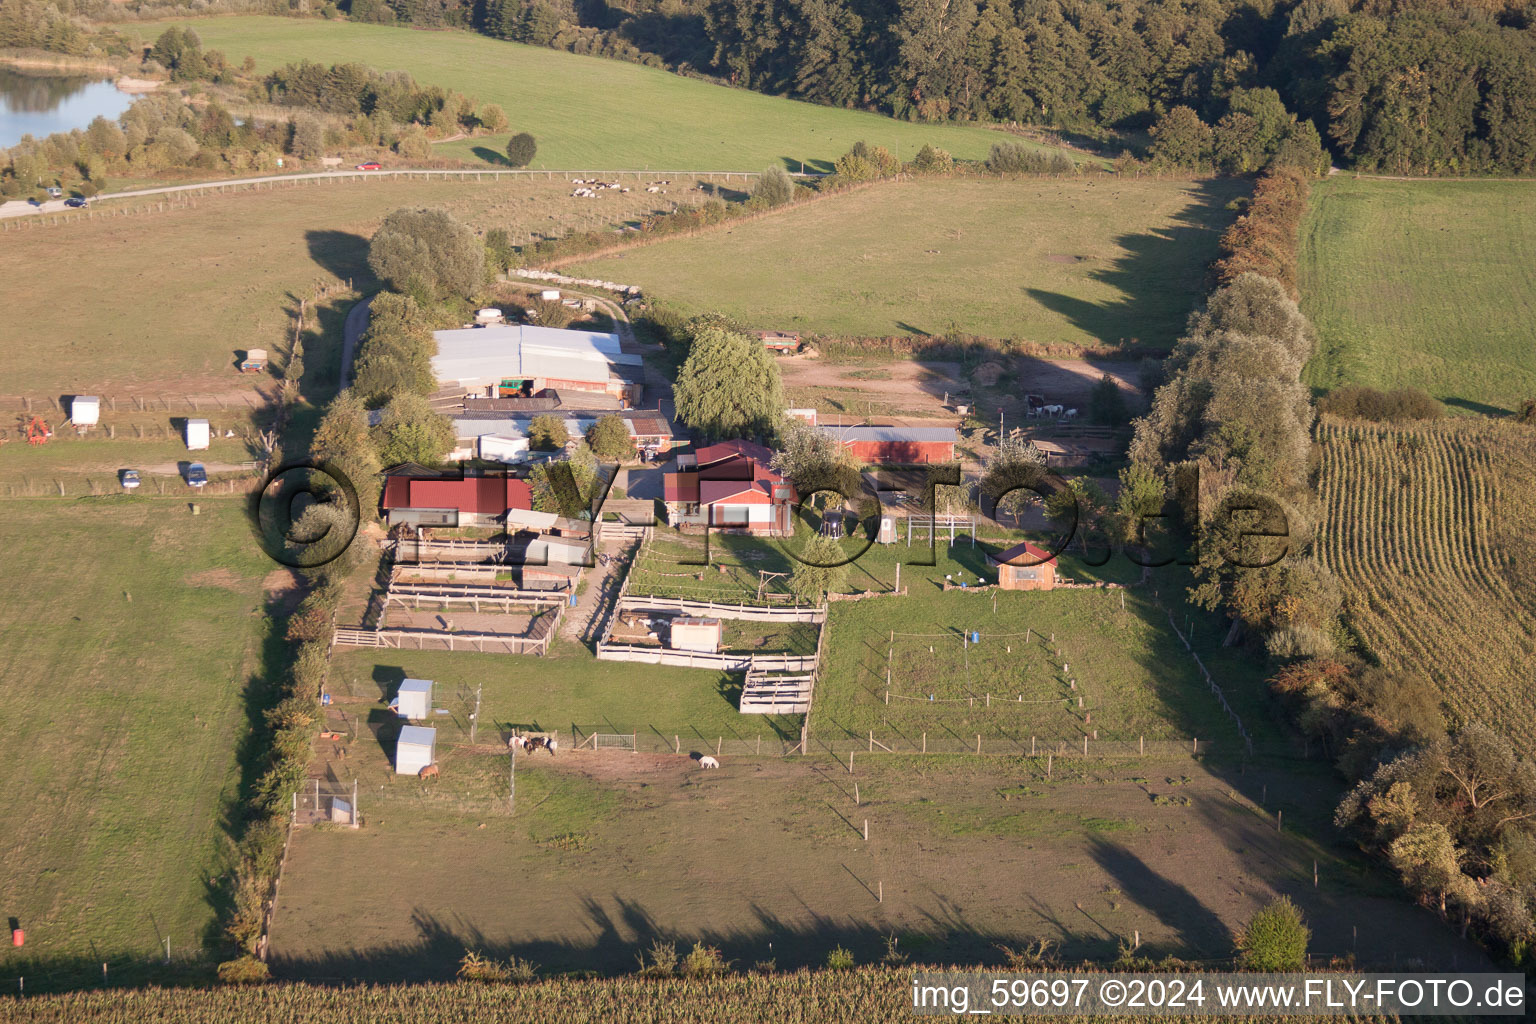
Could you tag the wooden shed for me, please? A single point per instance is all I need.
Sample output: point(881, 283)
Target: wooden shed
point(415, 749)
point(690, 634)
point(1024, 567)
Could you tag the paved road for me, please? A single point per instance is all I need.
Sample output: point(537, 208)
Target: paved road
point(352, 330)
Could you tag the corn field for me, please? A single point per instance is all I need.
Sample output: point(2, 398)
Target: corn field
point(1418, 522)
point(857, 995)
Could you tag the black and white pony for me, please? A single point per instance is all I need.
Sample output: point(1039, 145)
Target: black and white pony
point(529, 744)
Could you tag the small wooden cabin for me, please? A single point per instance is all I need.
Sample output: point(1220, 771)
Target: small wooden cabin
point(1024, 567)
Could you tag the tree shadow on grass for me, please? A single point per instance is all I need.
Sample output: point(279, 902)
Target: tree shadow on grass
point(491, 156)
point(620, 929)
point(1159, 277)
point(343, 254)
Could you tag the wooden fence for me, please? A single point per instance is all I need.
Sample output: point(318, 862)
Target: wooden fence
point(711, 609)
point(441, 640)
point(722, 661)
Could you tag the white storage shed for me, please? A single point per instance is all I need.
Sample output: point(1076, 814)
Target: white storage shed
point(689, 634)
point(197, 435)
point(85, 410)
point(414, 699)
point(415, 749)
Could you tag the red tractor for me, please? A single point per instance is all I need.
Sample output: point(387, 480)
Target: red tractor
point(38, 432)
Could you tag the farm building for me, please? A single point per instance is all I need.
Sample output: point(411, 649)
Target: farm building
point(1024, 567)
point(544, 561)
point(85, 410)
point(254, 361)
point(730, 485)
point(435, 500)
point(415, 749)
point(509, 431)
point(804, 415)
point(886, 445)
point(689, 634)
point(414, 699)
point(780, 342)
point(197, 435)
point(545, 400)
point(517, 360)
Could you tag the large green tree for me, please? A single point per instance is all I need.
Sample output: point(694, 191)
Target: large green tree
point(729, 385)
point(428, 252)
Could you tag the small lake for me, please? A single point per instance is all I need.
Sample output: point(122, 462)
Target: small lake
point(40, 105)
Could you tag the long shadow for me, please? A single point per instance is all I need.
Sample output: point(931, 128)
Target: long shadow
point(433, 951)
point(342, 253)
point(491, 156)
point(1161, 275)
point(1197, 926)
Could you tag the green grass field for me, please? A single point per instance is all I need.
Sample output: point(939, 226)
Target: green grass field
point(1080, 262)
point(570, 691)
point(588, 112)
point(132, 629)
point(1424, 284)
point(159, 303)
point(1058, 666)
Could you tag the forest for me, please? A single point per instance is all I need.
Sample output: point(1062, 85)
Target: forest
point(1400, 86)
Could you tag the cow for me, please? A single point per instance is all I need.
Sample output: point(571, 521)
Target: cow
point(708, 762)
point(429, 772)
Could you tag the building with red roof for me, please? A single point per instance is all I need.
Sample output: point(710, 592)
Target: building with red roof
point(435, 500)
point(730, 485)
point(1024, 567)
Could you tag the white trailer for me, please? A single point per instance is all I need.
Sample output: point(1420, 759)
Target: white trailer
point(197, 435)
point(85, 410)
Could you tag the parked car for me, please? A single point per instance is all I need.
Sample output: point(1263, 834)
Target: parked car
point(75, 202)
point(197, 475)
point(370, 166)
point(130, 479)
point(54, 192)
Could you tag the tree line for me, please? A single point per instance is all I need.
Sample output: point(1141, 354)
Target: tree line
point(1423, 86)
point(1228, 435)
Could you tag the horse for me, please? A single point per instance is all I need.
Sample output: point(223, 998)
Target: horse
point(708, 762)
point(429, 772)
point(532, 743)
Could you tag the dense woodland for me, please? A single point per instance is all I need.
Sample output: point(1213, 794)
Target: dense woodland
point(1411, 86)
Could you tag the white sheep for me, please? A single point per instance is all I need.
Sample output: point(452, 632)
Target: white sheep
point(708, 762)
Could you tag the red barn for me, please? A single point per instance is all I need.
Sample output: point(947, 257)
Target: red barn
point(453, 501)
point(889, 445)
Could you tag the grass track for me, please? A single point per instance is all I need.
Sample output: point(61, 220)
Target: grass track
point(130, 631)
point(590, 112)
point(1424, 284)
point(1080, 262)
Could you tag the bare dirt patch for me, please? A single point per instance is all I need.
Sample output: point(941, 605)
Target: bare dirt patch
point(216, 578)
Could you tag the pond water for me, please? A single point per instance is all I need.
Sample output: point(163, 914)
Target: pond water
point(40, 105)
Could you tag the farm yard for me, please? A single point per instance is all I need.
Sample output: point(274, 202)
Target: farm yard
point(766, 859)
point(1428, 528)
point(1106, 262)
point(1423, 284)
point(588, 112)
point(853, 388)
point(133, 641)
point(241, 260)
